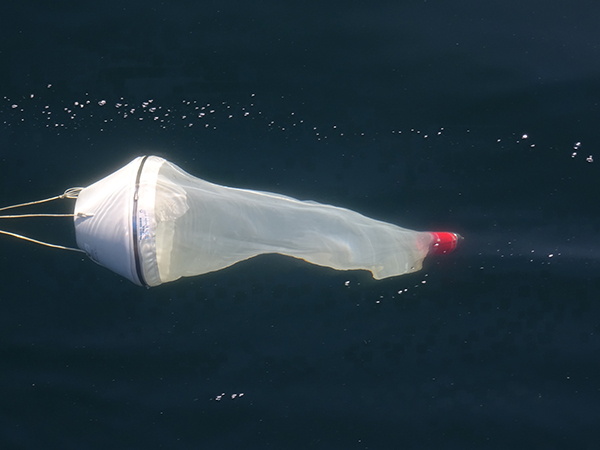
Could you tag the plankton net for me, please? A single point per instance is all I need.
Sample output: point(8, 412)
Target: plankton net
point(152, 223)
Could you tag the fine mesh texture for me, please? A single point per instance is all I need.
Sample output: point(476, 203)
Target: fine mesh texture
point(202, 227)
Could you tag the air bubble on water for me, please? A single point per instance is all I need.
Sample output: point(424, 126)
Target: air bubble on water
point(233, 396)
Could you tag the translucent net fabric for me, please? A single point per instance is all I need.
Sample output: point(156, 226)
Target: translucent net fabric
point(202, 227)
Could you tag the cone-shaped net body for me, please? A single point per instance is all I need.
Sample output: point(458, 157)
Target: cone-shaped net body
point(187, 226)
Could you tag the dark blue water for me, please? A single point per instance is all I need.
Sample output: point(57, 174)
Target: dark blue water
point(475, 117)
